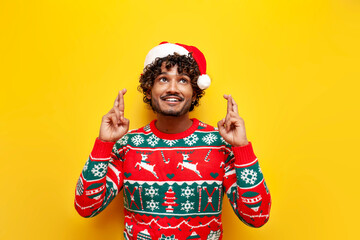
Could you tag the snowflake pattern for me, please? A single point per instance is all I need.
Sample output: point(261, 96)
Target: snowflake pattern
point(137, 140)
point(99, 170)
point(170, 142)
point(123, 141)
point(152, 205)
point(153, 140)
point(151, 192)
point(187, 206)
point(191, 140)
point(187, 192)
point(86, 165)
point(114, 149)
point(245, 176)
point(147, 128)
point(260, 169)
point(209, 138)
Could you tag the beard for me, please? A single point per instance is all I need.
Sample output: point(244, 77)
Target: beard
point(170, 112)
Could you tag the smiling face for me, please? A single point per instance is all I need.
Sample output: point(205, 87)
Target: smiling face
point(172, 93)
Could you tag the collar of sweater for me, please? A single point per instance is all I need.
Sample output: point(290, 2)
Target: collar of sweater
point(174, 136)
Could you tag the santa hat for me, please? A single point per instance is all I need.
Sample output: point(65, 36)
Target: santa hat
point(165, 48)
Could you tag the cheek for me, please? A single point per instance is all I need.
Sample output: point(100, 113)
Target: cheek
point(187, 90)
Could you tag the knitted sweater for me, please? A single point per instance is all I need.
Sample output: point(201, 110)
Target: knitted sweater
point(173, 184)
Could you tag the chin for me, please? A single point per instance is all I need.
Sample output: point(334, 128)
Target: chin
point(170, 111)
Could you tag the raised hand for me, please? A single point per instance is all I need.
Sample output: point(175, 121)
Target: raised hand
point(114, 125)
point(232, 127)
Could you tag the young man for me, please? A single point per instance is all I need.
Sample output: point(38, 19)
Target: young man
point(174, 171)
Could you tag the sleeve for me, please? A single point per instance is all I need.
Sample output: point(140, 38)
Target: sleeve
point(245, 186)
point(101, 178)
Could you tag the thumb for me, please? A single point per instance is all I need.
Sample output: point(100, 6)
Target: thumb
point(220, 124)
point(127, 121)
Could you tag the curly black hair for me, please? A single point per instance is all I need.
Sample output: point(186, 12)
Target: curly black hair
point(185, 64)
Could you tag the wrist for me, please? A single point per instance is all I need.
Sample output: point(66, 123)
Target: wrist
point(241, 143)
point(105, 140)
point(102, 149)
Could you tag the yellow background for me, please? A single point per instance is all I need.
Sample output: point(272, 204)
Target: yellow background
point(292, 67)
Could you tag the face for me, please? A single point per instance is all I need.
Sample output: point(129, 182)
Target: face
point(172, 93)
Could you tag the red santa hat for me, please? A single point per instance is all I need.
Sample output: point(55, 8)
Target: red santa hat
point(166, 48)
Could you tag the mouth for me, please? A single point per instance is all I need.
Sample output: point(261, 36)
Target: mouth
point(172, 99)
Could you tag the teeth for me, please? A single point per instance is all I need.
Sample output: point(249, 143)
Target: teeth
point(172, 100)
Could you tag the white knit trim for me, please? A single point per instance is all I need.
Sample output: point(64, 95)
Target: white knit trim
point(201, 182)
point(163, 50)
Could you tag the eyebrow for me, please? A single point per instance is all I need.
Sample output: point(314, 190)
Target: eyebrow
point(182, 74)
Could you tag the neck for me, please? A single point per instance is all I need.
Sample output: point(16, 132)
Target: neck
point(172, 125)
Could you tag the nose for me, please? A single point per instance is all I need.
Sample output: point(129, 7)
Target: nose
point(173, 86)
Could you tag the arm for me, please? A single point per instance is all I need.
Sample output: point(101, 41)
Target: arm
point(244, 182)
point(100, 180)
point(245, 186)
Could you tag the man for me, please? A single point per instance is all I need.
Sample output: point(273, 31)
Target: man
point(174, 171)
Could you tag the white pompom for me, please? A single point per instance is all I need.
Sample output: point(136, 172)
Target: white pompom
point(203, 81)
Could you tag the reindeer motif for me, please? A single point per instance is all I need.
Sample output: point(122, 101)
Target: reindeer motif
point(145, 164)
point(186, 163)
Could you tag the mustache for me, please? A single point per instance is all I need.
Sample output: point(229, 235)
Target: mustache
point(172, 95)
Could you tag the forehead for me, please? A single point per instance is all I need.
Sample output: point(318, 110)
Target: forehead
point(172, 70)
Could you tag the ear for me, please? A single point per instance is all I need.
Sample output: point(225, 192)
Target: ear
point(148, 94)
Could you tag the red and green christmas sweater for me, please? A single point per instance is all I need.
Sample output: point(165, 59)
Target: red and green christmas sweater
point(173, 184)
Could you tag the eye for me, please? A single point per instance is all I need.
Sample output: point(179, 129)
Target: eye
point(184, 80)
point(162, 79)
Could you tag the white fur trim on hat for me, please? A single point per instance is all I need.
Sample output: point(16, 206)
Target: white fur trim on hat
point(164, 50)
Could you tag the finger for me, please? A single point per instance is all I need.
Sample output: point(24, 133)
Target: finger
point(114, 120)
point(235, 106)
point(234, 114)
point(116, 102)
point(121, 100)
point(229, 105)
point(127, 123)
point(118, 114)
point(220, 125)
point(227, 122)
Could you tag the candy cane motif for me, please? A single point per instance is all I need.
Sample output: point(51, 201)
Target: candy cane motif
point(123, 154)
point(234, 199)
point(207, 156)
point(219, 198)
point(199, 191)
point(166, 162)
point(222, 164)
point(140, 189)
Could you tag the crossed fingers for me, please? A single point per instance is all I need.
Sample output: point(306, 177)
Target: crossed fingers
point(231, 104)
point(119, 106)
point(232, 112)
